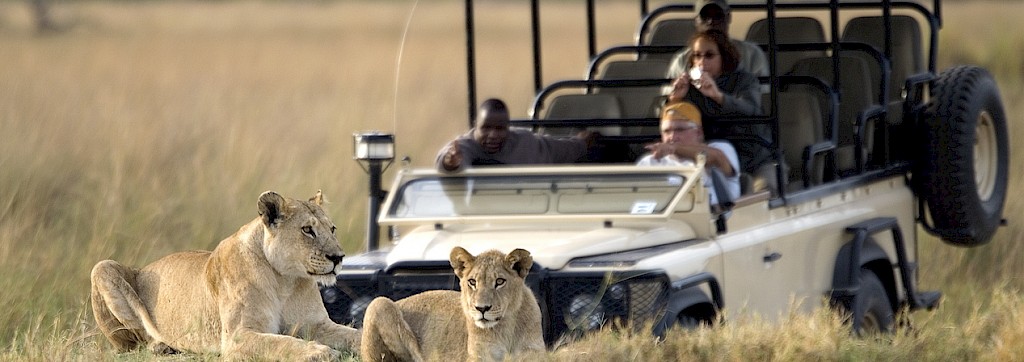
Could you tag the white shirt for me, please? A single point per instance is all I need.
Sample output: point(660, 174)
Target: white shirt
point(732, 183)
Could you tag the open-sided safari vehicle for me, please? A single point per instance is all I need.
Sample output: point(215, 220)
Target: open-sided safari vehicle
point(878, 146)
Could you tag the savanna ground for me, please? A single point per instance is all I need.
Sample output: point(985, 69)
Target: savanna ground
point(148, 128)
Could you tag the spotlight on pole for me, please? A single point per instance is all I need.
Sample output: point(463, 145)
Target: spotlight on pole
point(376, 150)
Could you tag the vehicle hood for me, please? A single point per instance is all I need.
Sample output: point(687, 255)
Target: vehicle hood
point(552, 247)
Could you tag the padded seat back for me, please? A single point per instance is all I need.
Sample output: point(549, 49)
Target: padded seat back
point(636, 102)
point(672, 32)
point(800, 126)
point(584, 106)
point(907, 55)
point(669, 32)
point(856, 97)
point(789, 30)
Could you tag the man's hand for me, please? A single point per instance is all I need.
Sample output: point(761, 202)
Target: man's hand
point(588, 137)
point(452, 157)
point(662, 149)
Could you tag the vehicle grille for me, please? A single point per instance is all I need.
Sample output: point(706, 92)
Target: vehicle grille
point(571, 303)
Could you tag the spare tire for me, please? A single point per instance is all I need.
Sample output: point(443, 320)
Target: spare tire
point(966, 157)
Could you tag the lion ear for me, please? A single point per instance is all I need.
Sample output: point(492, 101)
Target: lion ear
point(271, 205)
point(317, 199)
point(461, 260)
point(520, 261)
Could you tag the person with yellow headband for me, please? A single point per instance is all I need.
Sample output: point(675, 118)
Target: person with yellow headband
point(682, 139)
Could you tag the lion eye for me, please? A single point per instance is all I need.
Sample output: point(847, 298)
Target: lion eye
point(472, 282)
point(308, 230)
point(499, 282)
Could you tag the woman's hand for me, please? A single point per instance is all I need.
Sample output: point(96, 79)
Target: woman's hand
point(709, 88)
point(679, 88)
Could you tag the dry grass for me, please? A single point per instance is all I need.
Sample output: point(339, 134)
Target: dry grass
point(151, 127)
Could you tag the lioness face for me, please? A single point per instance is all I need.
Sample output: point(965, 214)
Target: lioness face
point(491, 283)
point(300, 238)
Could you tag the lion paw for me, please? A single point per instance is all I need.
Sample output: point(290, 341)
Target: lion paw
point(161, 348)
point(319, 352)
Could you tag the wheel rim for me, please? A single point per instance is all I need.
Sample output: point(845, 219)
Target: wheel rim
point(869, 323)
point(985, 156)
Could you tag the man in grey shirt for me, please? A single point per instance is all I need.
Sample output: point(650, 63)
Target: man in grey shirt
point(715, 14)
point(491, 142)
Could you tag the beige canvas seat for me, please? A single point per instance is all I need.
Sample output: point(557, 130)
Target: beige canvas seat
point(583, 106)
point(800, 126)
point(907, 55)
point(637, 102)
point(789, 30)
point(669, 32)
point(856, 104)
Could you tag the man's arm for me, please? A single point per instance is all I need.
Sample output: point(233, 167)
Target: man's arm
point(715, 157)
point(564, 150)
point(450, 157)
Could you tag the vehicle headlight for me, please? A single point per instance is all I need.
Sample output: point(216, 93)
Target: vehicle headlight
point(357, 309)
point(617, 292)
point(330, 295)
point(586, 312)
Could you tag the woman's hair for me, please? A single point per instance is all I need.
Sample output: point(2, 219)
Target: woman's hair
point(730, 56)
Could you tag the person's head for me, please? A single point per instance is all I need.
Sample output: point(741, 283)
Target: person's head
point(492, 122)
point(681, 123)
point(713, 14)
point(712, 51)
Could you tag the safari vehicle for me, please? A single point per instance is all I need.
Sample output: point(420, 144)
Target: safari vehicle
point(880, 147)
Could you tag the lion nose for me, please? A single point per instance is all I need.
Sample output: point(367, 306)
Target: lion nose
point(336, 259)
point(483, 308)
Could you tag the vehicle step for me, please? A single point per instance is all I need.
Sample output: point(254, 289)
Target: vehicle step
point(874, 225)
point(928, 299)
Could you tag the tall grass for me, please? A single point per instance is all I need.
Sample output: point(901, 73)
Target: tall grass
point(150, 128)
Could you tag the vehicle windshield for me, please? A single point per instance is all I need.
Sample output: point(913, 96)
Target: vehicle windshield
point(525, 195)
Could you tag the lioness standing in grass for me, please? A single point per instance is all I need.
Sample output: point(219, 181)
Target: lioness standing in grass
point(239, 300)
point(500, 316)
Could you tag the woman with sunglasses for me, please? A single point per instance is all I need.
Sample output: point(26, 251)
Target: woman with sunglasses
point(714, 83)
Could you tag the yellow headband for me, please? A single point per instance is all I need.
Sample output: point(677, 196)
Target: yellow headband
point(681, 111)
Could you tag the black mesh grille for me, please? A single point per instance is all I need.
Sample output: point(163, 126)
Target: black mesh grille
point(578, 303)
point(571, 303)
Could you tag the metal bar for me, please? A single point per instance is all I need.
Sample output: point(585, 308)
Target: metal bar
point(887, 20)
point(773, 81)
point(373, 227)
point(836, 50)
point(470, 62)
point(535, 28)
point(591, 33)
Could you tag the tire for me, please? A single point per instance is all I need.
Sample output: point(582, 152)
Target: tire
point(872, 305)
point(966, 157)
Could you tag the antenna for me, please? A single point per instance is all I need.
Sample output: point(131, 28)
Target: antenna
point(398, 67)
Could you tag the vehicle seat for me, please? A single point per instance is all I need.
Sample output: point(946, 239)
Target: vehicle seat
point(789, 30)
point(800, 126)
point(669, 32)
point(907, 54)
point(637, 102)
point(855, 103)
point(583, 106)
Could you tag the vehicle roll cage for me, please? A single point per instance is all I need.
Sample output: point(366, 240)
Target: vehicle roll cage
point(913, 87)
